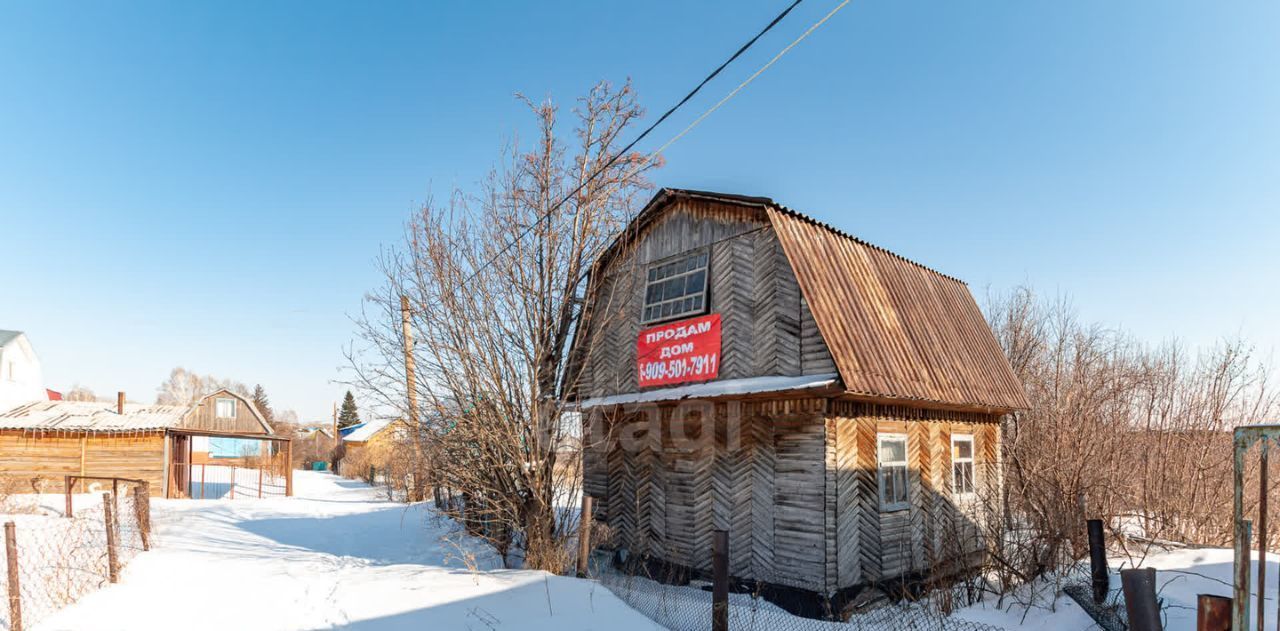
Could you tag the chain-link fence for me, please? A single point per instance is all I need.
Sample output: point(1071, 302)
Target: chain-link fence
point(686, 605)
point(52, 561)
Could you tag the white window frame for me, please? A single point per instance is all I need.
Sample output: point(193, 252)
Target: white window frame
point(883, 467)
point(217, 407)
point(702, 263)
point(973, 471)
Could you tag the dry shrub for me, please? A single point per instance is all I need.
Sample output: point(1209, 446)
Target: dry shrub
point(1119, 430)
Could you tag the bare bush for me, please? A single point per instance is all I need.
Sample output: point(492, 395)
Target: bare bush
point(1134, 434)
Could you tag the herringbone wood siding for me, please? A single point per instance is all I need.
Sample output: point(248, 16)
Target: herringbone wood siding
point(767, 329)
point(796, 487)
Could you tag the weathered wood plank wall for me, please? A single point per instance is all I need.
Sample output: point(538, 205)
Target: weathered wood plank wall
point(204, 418)
point(893, 543)
point(767, 328)
point(796, 487)
point(50, 456)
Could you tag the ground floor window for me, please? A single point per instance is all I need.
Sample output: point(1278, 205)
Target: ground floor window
point(892, 459)
point(962, 464)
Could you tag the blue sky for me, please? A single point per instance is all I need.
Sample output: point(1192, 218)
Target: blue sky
point(208, 185)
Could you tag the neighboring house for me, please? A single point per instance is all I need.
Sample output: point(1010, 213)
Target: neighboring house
point(47, 440)
point(370, 446)
point(833, 406)
point(21, 380)
point(360, 436)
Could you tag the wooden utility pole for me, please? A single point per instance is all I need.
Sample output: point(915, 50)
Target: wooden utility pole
point(411, 398)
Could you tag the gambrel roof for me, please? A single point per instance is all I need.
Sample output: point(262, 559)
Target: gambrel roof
point(896, 329)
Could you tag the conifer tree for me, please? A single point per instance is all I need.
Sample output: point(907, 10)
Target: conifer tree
point(347, 415)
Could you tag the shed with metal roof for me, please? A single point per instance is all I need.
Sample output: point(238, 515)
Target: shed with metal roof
point(46, 441)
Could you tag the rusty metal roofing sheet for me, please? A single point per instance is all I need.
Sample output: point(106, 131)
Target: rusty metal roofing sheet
point(895, 328)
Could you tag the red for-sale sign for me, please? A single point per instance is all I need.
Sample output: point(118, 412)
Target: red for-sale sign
point(679, 352)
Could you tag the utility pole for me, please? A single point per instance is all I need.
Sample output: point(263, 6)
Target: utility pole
point(411, 398)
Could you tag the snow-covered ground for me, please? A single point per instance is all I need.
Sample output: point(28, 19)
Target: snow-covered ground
point(334, 556)
point(339, 556)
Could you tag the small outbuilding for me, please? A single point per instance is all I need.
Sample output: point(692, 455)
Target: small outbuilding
point(833, 406)
point(46, 441)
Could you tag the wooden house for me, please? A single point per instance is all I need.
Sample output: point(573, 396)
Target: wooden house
point(45, 441)
point(370, 444)
point(831, 405)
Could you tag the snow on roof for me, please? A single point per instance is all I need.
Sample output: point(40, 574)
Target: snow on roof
point(711, 389)
point(366, 430)
point(94, 416)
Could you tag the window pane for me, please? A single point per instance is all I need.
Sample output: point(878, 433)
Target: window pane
point(653, 273)
point(694, 281)
point(894, 450)
point(697, 302)
point(962, 448)
point(675, 288)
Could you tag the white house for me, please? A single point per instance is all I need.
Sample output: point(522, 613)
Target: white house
point(21, 380)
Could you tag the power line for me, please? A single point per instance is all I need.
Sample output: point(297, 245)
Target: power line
point(645, 133)
point(730, 95)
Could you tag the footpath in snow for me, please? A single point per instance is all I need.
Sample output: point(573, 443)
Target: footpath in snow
point(334, 556)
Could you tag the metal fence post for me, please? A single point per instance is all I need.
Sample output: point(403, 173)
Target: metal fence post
point(1098, 560)
point(1140, 599)
point(113, 568)
point(1213, 613)
point(584, 536)
point(1240, 599)
point(233, 481)
point(15, 590)
point(720, 580)
point(1262, 534)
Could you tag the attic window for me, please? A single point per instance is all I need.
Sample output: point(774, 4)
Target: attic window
point(225, 408)
point(676, 288)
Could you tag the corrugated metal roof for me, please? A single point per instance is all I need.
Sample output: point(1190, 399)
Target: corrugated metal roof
point(8, 336)
point(91, 416)
point(895, 328)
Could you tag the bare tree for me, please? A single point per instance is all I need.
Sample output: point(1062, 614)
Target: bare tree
point(79, 393)
point(496, 282)
point(184, 387)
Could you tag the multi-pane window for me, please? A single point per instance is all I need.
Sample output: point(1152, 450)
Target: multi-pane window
point(676, 288)
point(225, 408)
point(892, 459)
point(962, 464)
